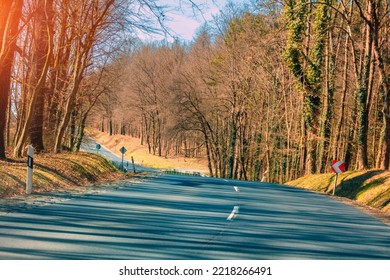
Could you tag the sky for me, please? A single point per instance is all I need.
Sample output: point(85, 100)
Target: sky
point(182, 21)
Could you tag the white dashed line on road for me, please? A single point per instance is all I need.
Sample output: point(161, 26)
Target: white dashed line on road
point(234, 213)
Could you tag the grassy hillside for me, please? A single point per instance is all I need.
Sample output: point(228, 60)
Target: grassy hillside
point(55, 171)
point(142, 156)
point(371, 188)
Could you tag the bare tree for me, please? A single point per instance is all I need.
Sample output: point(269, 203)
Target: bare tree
point(9, 28)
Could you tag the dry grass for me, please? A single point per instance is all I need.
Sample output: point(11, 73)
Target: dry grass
point(370, 188)
point(54, 172)
point(142, 156)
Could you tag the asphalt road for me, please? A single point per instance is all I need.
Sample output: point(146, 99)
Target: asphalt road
point(180, 217)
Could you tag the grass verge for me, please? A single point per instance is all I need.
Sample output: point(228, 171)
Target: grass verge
point(367, 188)
point(54, 172)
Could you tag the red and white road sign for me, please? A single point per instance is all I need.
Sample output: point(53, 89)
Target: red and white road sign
point(338, 166)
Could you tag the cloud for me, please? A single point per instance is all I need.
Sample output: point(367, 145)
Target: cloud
point(183, 26)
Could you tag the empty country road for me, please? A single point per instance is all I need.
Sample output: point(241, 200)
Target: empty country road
point(179, 217)
point(182, 217)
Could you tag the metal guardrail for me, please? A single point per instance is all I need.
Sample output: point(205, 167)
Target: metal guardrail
point(124, 168)
point(175, 172)
point(127, 168)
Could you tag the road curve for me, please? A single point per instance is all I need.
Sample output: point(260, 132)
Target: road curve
point(89, 145)
point(180, 217)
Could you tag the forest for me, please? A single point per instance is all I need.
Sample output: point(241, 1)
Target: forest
point(269, 91)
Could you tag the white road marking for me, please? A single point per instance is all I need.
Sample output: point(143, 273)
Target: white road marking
point(234, 213)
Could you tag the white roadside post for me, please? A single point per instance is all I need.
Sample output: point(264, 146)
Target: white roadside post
point(335, 184)
point(30, 164)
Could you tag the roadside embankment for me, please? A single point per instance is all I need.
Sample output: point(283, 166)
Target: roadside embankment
point(370, 188)
point(55, 172)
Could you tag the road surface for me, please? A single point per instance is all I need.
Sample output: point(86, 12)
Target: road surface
point(181, 217)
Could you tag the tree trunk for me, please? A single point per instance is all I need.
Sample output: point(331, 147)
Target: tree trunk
point(363, 93)
point(8, 123)
point(351, 135)
point(41, 48)
point(232, 147)
point(72, 136)
point(337, 138)
point(384, 87)
point(9, 23)
point(81, 131)
point(69, 107)
point(257, 164)
point(110, 127)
